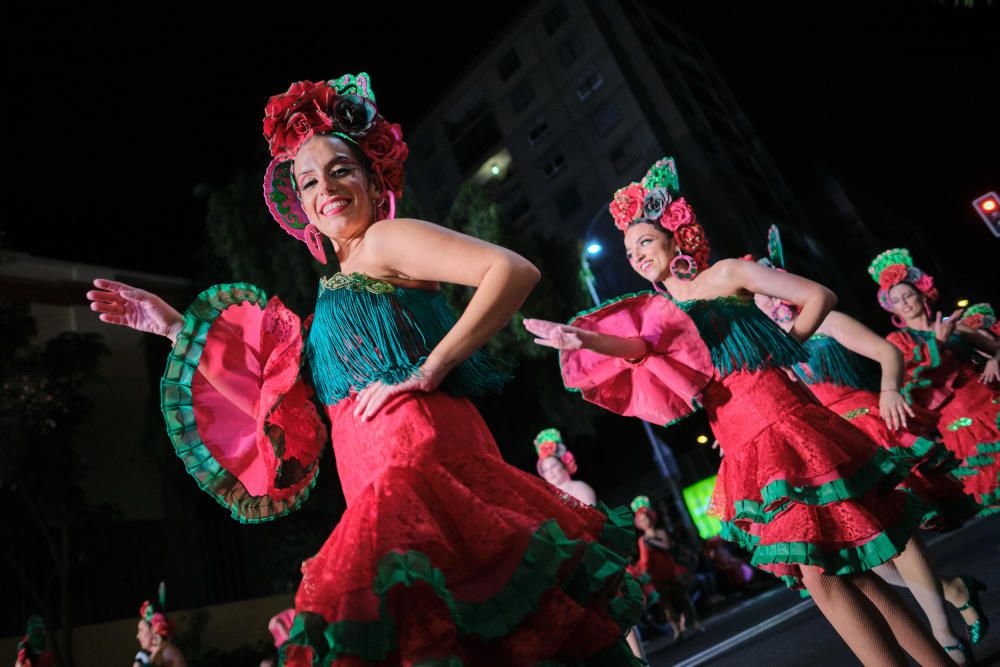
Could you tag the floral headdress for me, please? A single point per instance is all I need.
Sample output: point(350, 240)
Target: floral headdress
point(641, 505)
point(344, 107)
point(979, 316)
point(895, 266)
point(657, 200)
point(33, 643)
point(154, 614)
point(548, 443)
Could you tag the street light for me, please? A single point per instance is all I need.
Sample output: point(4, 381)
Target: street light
point(594, 249)
point(962, 303)
point(988, 208)
point(702, 439)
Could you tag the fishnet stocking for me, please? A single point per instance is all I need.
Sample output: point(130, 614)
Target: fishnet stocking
point(908, 631)
point(854, 618)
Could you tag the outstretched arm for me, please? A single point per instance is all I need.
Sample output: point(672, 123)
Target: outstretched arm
point(135, 308)
point(423, 251)
point(858, 338)
point(565, 337)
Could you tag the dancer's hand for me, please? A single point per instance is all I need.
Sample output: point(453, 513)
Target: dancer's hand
point(944, 328)
point(135, 308)
point(371, 399)
point(991, 371)
point(553, 334)
point(893, 409)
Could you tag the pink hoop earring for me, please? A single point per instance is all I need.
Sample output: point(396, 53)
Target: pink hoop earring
point(314, 241)
point(684, 267)
point(898, 322)
point(782, 313)
point(392, 206)
point(657, 288)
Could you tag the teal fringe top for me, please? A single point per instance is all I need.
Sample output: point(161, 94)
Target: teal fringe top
point(832, 363)
point(955, 343)
point(740, 337)
point(367, 330)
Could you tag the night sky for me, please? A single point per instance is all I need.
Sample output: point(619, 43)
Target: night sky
point(113, 120)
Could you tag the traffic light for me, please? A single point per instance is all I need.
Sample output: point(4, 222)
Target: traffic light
point(988, 208)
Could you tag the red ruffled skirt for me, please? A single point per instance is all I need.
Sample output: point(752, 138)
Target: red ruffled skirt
point(799, 485)
point(931, 475)
point(970, 427)
point(446, 553)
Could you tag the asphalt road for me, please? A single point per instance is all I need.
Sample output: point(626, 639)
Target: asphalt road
point(779, 628)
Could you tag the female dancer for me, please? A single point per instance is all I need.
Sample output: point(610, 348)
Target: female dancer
point(556, 465)
point(939, 374)
point(800, 488)
point(154, 634)
point(31, 649)
point(839, 374)
point(445, 553)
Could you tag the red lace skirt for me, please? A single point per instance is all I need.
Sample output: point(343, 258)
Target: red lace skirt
point(446, 552)
point(799, 485)
point(931, 478)
point(970, 427)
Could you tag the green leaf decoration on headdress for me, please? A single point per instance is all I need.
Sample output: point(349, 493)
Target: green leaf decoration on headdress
point(548, 435)
point(774, 248)
point(891, 257)
point(640, 502)
point(663, 174)
point(358, 85)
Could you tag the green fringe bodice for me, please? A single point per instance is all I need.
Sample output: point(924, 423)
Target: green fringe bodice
point(832, 363)
point(367, 330)
point(740, 337)
point(958, 345)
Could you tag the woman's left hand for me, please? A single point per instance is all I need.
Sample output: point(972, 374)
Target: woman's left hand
point(371, 399)
point(991, 372)
point(894, 409)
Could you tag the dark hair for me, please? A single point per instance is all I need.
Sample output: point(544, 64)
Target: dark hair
point(656, 224)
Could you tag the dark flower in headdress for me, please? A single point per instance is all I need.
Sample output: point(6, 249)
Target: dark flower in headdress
point(353, 115)
point(655, 203)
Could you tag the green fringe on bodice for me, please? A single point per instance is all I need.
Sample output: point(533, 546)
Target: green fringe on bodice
point(367, 330)
point(740, 337)
point(832, 363)
point(958, 345)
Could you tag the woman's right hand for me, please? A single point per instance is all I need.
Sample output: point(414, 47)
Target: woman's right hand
point(553, 334)
point(944, 328)
point(135, 308)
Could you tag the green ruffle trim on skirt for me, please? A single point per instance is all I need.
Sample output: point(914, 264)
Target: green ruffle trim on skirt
point(850, 560)
point(178, 410)
point(601, 564)
point(883, 468)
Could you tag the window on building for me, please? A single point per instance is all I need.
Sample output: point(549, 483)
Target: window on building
point(553, 164)
point(473, 135)
point(568, 201)
point(604, 117)
point(522, 96)
point(508, 64)
point(624, 155)
point(570, 50)
point(539, 130)
point(589, 84)
point(555, 17)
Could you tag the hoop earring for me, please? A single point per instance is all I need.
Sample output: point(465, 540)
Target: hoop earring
point(684, 267)
point(314, 241)
point(782, 313)
point(657, 288)
point(898, 322)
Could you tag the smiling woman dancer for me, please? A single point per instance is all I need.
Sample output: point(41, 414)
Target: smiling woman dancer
point(445, 554)
point(801, 489)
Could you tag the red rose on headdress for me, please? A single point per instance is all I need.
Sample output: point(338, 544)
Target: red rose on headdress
point(973, 321)
point(569, 462)
point(892, 275)
point(931, 294)
point(390, 175)
point(295, 115)
point(546, 449)
point(691, 240)
point(626, 205)
point(677, 215)
point(385, 142)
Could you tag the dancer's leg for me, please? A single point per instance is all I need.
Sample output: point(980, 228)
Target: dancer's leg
point(852, 615)
point(908, 631)
point(633, 643)
point(918, 570)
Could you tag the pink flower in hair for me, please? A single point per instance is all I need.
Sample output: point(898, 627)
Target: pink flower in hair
point(924, 283)
point(677, 215)
point(626, 205)
point(569, 462)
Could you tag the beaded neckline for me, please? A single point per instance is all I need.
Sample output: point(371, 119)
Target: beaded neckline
point(732, 298)
point(356, 282)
